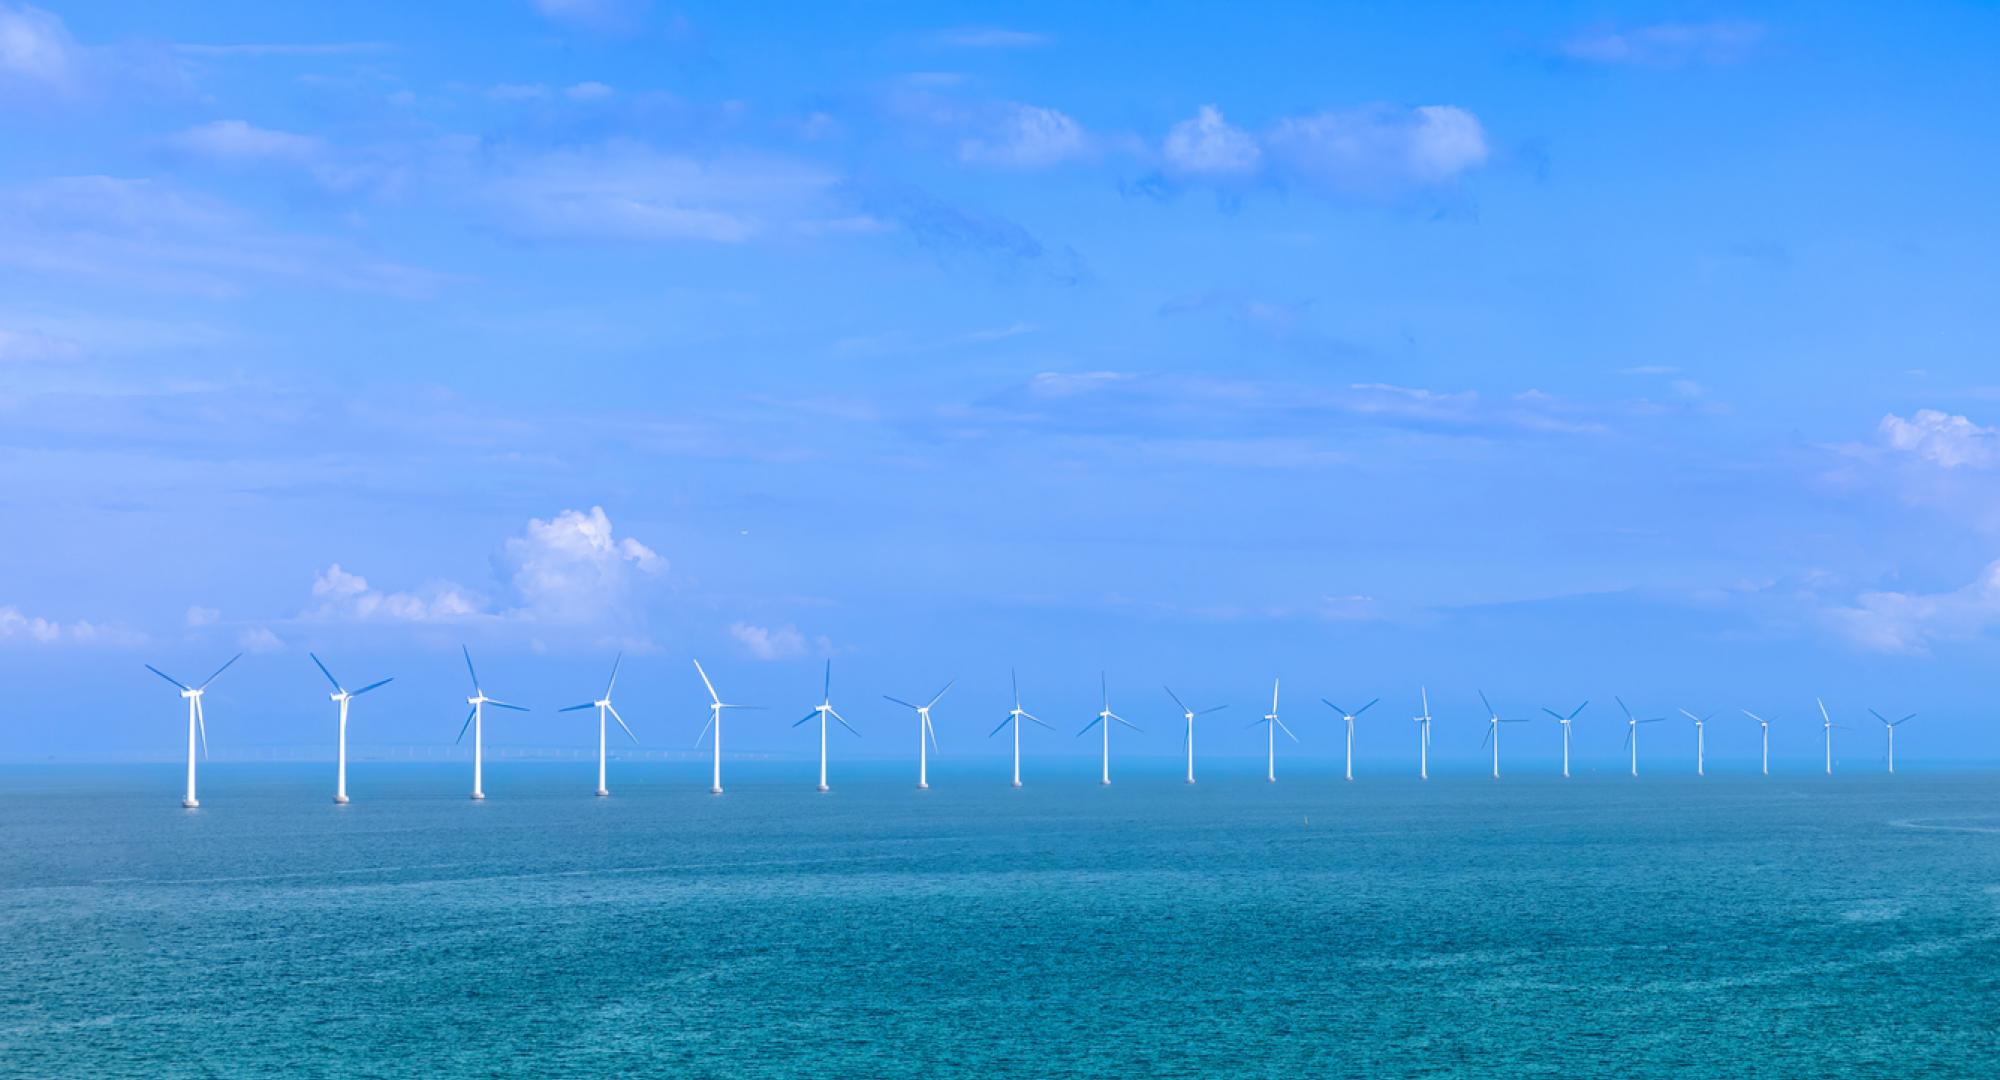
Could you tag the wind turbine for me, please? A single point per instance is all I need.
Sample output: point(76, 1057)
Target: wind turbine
point(603, 706)
point(924, 730)
point(1493, 730)
point(1272, 725)
point(476, 720)
point(1565, 721)
point(1826, 723)
point(1105, 716)
point(1632, 731)
point(341, 695)
point(1349, 717)
point(1187, 740)
point(1890, 726)
point(1014, 716)
point(196, 722)
point(715, 707)
point(823, 710)
point(1700, 742)
point(1766, 725)
point(1424, 737)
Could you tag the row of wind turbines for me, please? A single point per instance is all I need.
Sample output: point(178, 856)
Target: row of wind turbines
point(1015, 718)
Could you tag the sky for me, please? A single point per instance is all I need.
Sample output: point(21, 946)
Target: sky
point(1561, 352)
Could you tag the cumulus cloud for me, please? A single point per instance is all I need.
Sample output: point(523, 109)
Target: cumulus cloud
point(1207, 146)
point(1026, 137)
point(1899, 622)
point(338, 594)
point(35, 49)
point(1666, 45)
point(260, 639)
point(239, 142)
point(31, 629)
point(204, 616)
point(1379, 148)
point(572, 568)
point(1942, 439)
point(766, 643)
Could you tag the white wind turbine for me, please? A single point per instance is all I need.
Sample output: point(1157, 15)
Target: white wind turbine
point(924, 731)
point(1766, 725)
point(476, 720)
point(1890, 727)
point(1700, 741)
point(603, 706)
point(1105, 716)
point(1424, 737)
point(196, 721)
point(1014, 716)
point(1494, 720)
point(823, 710)
point(1273, 725)
point(341, 696)
point(715, 707)
point(1632, 731)
point(1349, 717)
point(1826, 723)
point(1187, 739)
point(1565, 721)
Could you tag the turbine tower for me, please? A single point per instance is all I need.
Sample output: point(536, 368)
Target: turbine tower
point(1349, 717)
point(603, 706)
point(1424, 737)
point(1890, 727)
point(1766, 725)
point(924, 731)
point(1494, 720)
point(1104, 717)
point(1826, 724)
point(476, 720)
point(1187, 740)
point(1632, 731)
point(341, 696)
point(823, 710)
point(715, 707)
point(1014, 716)
point(1272, 725)
point(1700, 741)
point(1565, 721)
point(196, 721)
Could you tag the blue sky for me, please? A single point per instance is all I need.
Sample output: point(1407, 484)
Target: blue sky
point(1585, 350)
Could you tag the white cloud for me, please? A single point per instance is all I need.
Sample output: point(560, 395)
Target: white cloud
point(1899, 622)
point(1380, 148)
point(35, 48)
point(238, 142)
point(623, 190)
point(1057, 384)
point(30, 346)
point(589, 91)
point(1026, 137)
point(16, 627)
point(260, 639)
point(765, 643)
point(204, 616)
point(340, 595)
point(518, 92)
point(1943, 439)
point(572, 568)
point(594, 14)
point(992, 37)
point(1207, 145)
point(1666, 45)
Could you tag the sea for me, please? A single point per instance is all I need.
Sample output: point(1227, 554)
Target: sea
point(1735, 926)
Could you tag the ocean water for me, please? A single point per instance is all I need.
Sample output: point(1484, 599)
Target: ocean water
point(1791, 927)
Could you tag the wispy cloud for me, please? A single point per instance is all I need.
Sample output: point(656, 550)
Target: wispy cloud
point(992, 37)
point(1942, 439)
point(36, 50)
point(237, 141)
point(1025, 137)
point(1376, 151)
point(284, 48)
point(1905, 622)
point(18, 628)
point(1666, 45)
point(768, 643)
point(622, 16)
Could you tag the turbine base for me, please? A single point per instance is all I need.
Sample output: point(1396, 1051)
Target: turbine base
point(1017, 783)
point(823, 787)
point(717, 790)
point(921, 786)
point(189, 804)
point(340, 800)
point(602, 793)
point(478, 795)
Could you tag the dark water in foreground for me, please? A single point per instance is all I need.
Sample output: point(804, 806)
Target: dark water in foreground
point(1733, 927)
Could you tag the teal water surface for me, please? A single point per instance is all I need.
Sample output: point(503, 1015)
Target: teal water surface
point(1794, 927)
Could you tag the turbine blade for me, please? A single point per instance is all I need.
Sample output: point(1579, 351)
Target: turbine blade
point(1691, 716)
point(219, 671)
point(504, 705)
point(201, 725)
point(1491, 727)
point(1627, 709)
point(837, 719)
point(1822, 710)
point(1426, 692)
point(1490, 710)
point(1177, 699)
point(1274, 694)
point(934, 699)
point(372, 686)
point(1205, 712)
point(325, 672)
point(1552, 712)
point(578, 708)
point(1038, 721)
point(621, 723)
point(1366, 707)
point(463, 728)
point(617, 660)
point(1002, 727)
point(1127, 723)
point(1087, 727)
point(469, 670)
point(1329, 705)
point(826, 688)
point(712, 695)
point(703, 737)
point(1878, 716)
point(1628, 737)
point(805, 718)
point(1904, 720)
point(931, 730)
point(1578, 711)
point(1283, 728)
point(899, 701)
point(168, 677)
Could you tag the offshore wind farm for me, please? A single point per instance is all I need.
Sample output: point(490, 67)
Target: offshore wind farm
point(998, 540)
